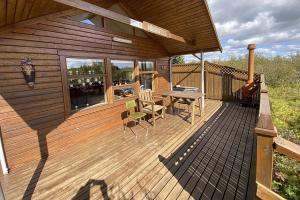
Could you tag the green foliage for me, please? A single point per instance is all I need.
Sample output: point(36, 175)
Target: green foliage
point(285, 101)
point(278, 70)
point(283, 80)
point(178, 60)
point(286, 178)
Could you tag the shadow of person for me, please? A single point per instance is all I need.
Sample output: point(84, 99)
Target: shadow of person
point(43, 147)
point(84, 191)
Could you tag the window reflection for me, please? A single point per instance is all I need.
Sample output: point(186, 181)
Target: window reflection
point(86, 82)
point(121, 93)
point(122, 72)
point(146, 77)
point(146, 81)
point(146, 66)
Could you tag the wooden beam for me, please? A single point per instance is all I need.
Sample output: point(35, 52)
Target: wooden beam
point(146, 26)
point(287, 148)
point(129, 13)
point(263, 193)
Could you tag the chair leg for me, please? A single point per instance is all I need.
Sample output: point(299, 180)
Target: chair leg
point(153, 118)
point(124, 126)
point(146, 127)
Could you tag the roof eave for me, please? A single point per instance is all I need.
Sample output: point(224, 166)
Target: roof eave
point(213, 24)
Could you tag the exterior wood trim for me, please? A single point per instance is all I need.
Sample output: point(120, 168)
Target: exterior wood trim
point(66, 92)
point(213, 25)
point(136, 76)
point(109, 89)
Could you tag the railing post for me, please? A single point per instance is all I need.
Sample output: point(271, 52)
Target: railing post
point(202, 80)
point(265, 132)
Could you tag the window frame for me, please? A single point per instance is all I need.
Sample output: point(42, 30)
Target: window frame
point(65, 84)
point(154, 73)
point(107, 77)
point(132, 85)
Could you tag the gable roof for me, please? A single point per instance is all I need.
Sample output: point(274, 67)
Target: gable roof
point(189, 19)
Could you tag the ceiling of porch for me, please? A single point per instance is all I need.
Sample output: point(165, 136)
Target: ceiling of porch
point(189, 19)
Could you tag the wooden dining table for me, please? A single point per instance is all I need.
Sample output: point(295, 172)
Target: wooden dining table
point(189, 98)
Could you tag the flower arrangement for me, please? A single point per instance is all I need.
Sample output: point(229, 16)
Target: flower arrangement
point(28, 70)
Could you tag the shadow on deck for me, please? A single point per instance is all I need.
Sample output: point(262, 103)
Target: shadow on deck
point(215, 162)
point(210, 160)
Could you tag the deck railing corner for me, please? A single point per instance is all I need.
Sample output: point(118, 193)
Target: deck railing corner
point(267, 141)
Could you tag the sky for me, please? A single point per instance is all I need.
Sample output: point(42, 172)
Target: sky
point(274, 25)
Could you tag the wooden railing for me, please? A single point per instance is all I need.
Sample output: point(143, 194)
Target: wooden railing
point(267, 142)
point(221, 82)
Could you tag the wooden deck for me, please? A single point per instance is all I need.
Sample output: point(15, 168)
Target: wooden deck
point(209, 160)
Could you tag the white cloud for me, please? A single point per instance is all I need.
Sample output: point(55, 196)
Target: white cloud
point(240, 43)
point(274, 25)
point(263, 21)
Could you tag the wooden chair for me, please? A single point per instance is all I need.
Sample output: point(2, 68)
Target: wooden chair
point(133, 115)
point(148, 105)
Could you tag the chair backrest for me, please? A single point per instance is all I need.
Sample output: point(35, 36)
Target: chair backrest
point(130, 105)
point(146, 95)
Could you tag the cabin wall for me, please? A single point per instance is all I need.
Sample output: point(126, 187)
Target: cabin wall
point(33, 121)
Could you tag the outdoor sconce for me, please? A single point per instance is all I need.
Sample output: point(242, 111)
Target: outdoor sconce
point(28, 70)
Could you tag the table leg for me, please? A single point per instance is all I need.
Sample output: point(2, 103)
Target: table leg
point(200, 106)
point(172, 105)
point(193, 112)
point(173, 101)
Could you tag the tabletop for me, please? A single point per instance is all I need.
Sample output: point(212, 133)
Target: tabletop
point(183, 94)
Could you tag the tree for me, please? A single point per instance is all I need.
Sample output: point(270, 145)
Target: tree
point(178, 60)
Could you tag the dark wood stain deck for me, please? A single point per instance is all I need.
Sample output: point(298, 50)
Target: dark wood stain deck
point(210, 160)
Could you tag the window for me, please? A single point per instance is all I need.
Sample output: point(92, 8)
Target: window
point(146, 66)
point(86, 82)
point(122, 72)
point(122, 78)
point(88, 18)
point(147, 74)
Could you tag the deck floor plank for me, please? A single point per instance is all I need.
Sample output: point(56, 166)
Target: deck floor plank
point(211, 159)
point(169, 169)
point(190, 165)
point(224, 135)
point(206, 191)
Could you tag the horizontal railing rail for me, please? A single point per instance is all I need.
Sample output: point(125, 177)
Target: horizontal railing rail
point(287, 148)
point(265, 193)
point(267, 142)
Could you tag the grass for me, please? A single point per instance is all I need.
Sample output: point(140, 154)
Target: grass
point(283, 80)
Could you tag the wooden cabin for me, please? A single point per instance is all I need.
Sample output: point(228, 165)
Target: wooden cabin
point(67, 67)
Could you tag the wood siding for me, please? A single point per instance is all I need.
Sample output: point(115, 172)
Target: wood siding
point(33, 121)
